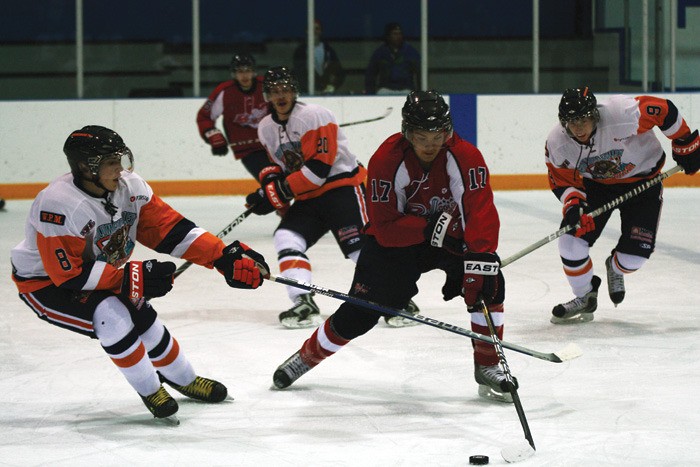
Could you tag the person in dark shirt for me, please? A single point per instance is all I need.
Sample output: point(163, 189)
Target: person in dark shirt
point(393, 67)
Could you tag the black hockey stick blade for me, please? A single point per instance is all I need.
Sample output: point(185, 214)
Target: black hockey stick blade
point(569, 352)
point(369, 120)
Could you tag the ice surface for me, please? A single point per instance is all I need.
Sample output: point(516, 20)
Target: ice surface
point(394, 397)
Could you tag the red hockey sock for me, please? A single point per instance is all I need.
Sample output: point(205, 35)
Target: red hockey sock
point(485, 353)
point(323, 343)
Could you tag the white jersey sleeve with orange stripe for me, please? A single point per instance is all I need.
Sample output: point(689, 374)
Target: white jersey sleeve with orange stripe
point(312, 149)
point(622, 148)
point(73, 241)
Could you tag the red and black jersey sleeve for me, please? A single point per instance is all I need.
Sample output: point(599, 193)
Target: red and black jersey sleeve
point(212, 109)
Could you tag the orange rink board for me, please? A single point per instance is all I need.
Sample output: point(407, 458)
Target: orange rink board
point(243, 187)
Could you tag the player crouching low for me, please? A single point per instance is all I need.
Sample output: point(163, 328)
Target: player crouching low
point(429, 195)
point(73, 268)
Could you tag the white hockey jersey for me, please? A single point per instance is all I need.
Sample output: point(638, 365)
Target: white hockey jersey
point(79, 241)
point(623, 149)
point(312, 150)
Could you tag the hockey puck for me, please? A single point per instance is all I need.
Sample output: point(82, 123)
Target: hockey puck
point(2, 203)
point(478, 460)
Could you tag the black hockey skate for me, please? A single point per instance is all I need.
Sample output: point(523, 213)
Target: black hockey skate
point(400, 321)
point(288, 372)
point(304, 314)
point(160, 403)
point(201, 389)
point(578, 310)
point(616, 283)
point(492, 383)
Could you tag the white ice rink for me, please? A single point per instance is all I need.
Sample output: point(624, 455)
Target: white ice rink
point(394, 397)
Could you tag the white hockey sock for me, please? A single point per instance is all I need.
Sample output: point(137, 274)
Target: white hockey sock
point(116, 333)
point(164, 351)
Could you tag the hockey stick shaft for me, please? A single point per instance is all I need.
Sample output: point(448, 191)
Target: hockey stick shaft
point(384, 115)
point(498, 345)
point(604, 208)
point(550, 357)
point(183, 267)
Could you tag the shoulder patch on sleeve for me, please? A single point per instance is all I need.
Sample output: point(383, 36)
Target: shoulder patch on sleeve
point(52, 218)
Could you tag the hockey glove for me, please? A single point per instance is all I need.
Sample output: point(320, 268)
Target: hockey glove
point(242, 267)
point(278, 193)
point(480, 277)
point(219, 145)
point(258, 201)
point(575, 214)
point(150, 279)
point(686, 152)
point(442, 231)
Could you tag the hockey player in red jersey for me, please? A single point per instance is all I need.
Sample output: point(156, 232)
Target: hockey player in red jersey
point(314, 168)
point(240, 103)
point(596, 153)
point(430, 207)
point(73, 269)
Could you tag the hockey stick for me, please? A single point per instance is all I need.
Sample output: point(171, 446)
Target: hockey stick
point(183, 267)
point(568, 353)
point(604, 208)
point(520, 451)
point(384, 115)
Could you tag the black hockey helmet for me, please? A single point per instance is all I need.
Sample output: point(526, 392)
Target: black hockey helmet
point(242, 60)
point(426, 110)
point(91, 145)
point(280, 76)
point(578, 103)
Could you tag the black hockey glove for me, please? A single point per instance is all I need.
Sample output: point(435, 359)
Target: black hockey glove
point(576, 215)
point(258, 201)
point(454, 277)
point(686, 152)
point(242, 267)
point(150, 279)
point(480, 277)
point(441, 232)
point(219, 145)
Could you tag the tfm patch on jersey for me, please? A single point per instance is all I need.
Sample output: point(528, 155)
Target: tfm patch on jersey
point(52, 218)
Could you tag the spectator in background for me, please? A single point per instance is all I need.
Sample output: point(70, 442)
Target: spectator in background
point(393, 67)
point(328, 71)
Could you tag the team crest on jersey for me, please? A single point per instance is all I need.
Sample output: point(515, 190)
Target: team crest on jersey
point(251, 119)
point(52, 218)
point(608, 165)
point(113, 240)
point(435, 204)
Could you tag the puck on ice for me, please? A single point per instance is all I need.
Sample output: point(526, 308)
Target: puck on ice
point(2, 203)
point(478, 460)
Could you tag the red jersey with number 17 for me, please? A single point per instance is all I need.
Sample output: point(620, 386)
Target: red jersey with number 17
point(402, 195)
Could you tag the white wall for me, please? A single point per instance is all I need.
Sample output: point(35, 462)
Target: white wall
point(163, 135)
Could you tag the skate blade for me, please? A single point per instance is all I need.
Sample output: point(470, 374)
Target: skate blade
point(488, 393)
point(517, 452)
point(575, 319)
point(294, 323)
point(172, 420)
point(400, 322)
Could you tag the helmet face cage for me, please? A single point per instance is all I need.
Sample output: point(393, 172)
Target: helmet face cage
point(242, 60)
point(280, 76)
point(426, 110)
point(94, 144)
point(578, 103)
